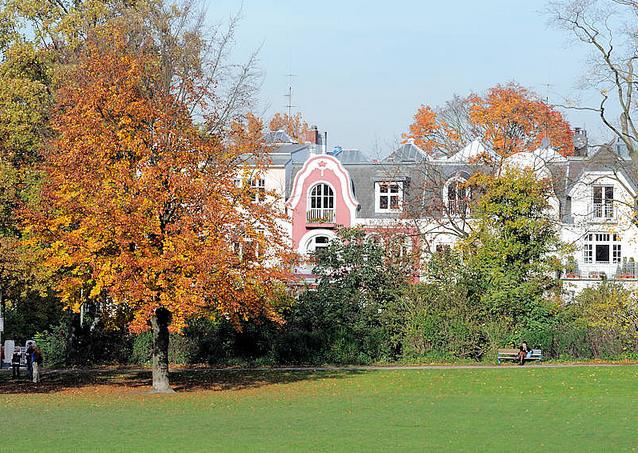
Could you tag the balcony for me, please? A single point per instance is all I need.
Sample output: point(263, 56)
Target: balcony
point(602, 212)
point(320, 217)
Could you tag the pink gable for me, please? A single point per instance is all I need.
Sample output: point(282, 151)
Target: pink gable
point(326, 169)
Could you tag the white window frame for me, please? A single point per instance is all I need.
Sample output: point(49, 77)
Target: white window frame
point(311, 244)
point(601, 239)
point(389, 195)
point(322, 197)
point(258, 185)
point(604, 209)
point(456, 180)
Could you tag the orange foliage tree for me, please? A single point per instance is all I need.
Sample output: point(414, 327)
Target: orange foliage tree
point(293, 125)
point(143, 207)
point(508, 119)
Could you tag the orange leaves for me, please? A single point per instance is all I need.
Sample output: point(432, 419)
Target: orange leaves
point(423, 130)
point(508, 119)
point(140, 204)
point(512, 119)
point(293, 125)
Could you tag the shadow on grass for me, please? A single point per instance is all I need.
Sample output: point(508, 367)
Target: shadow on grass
point(182, 380)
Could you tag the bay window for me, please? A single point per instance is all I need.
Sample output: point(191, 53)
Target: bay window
point(602, 248)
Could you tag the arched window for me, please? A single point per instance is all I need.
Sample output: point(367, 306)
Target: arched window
point(399, 245)
point(317, 244)
point(457, 196)
point(322, 197)
point(321, 204)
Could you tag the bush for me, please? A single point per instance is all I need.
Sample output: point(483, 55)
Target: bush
point(437, 319)
point(142, 349)
point(610, 313)
point(54, 345)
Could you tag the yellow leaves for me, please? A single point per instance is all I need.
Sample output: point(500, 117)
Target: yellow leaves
point(294, 125)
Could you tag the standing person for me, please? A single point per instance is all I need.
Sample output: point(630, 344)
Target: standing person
point(29, 353)
point(15, 363)
point(36, 361)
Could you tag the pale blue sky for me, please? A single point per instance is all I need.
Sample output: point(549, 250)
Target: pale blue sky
point(364, 67)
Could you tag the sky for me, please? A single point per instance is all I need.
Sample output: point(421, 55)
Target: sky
point(362, 68)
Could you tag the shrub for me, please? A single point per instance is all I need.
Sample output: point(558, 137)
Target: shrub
point(142, 348)
point(180, 349)
point(610, 312)
point(54, 345)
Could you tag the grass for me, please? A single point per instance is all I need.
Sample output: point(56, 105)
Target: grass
point(506, 409)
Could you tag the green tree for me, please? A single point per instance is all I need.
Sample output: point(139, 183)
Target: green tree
point(344, 320)
point(25, 100)
point(512, 249)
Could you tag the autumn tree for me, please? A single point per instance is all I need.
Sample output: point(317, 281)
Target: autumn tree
point(38, 39)
point(141, 202)
point(426, 132)
point(25, 100)
point(507, 119)
point(293, 125)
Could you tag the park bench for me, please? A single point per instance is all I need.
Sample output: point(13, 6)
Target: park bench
point(512, 354)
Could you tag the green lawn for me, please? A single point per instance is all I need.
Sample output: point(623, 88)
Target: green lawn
point(506, 409)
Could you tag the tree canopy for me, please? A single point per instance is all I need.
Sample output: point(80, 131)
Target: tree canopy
point(507, 118)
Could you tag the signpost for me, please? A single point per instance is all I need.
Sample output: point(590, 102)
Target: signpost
point(1, 331)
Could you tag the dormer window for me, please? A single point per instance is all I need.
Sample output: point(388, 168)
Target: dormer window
point(456, 196)
point(388, 196)
point(321, 202)
point(603, 206)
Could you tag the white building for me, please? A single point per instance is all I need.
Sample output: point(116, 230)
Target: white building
point(422, 199)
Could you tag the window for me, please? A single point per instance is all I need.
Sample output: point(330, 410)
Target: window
point(249, 248)
point(389, 196)
point(321, 204)
point(617, 253)
point(603, 206)
point(322, 197)
point(258, 189)
point(602, 248)
point(399, 246)
point(317, 244)
point(457, 196)
point(588, 253)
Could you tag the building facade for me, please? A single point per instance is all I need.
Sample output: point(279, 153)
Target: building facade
point(418, 203)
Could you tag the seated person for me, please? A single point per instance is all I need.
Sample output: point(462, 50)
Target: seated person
point(528, 351)
point(522, 354)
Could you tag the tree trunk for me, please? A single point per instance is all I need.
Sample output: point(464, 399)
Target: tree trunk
point(159, 325)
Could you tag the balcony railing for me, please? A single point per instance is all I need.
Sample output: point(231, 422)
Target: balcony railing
point(320, 215)
point(602, 211)
point(628, 269)
point(458, 207)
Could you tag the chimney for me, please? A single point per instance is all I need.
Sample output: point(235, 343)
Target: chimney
point(312, 135)
point(580, 142)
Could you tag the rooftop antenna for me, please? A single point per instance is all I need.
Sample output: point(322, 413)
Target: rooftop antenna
point(547, 86)
point(289, 105)
point(545, 143)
